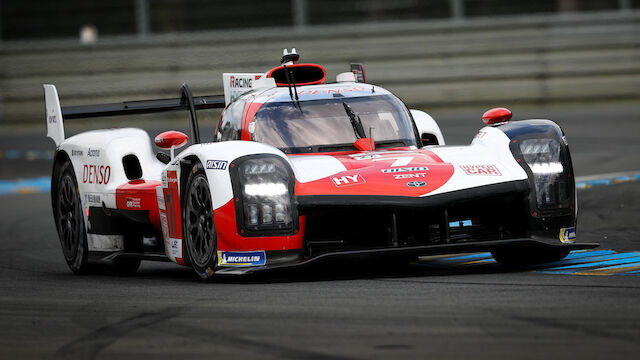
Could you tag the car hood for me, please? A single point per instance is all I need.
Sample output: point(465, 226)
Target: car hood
point(407, 172)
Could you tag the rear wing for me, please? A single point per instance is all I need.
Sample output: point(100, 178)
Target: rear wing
point(55, 114)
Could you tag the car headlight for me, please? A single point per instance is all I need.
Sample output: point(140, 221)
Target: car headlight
point(542, 155)
point(544, 158)
point(263, 187)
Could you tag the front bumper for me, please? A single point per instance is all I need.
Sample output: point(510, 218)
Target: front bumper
point(277, 260)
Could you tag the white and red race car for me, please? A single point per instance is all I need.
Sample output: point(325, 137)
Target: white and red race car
point(303, 170)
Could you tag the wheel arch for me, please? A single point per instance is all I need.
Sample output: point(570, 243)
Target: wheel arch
point(186, 164)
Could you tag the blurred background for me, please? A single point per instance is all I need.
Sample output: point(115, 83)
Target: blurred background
point(567, 60)
point(433, 53)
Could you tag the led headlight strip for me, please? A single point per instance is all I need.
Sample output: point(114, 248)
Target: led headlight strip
point(263, 187)
point(542, 156)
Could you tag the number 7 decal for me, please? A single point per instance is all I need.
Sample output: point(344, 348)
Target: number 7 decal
point(400, 160)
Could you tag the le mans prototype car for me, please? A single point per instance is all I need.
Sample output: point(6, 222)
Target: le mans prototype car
point(302, 170)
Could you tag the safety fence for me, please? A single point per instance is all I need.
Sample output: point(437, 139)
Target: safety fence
point(579, 57)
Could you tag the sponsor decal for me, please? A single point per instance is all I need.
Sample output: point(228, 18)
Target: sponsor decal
point(404, 169)
point(216, 164)
point(409, 176)
point(480, 135)
point(335, 91)
point(242, 258)
point(242, 81)
point(175, 249)
point(93, 152)
point(96, 174)
point(346, 180)
point(77, 152)
point(161, 202)
point(92, 198)
point(568, 235)
point(491, 170)
point(163, 179)
point(133, 202)
point(416, 183)
point(238, 84)
point(172, 204)
point(164, 225)
point(365, 157)
point(399, 160)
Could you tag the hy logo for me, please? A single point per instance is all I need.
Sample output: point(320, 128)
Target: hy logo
point(346, 180)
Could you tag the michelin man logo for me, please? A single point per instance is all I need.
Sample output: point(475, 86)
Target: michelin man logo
point(568, 235)
point(241, 258)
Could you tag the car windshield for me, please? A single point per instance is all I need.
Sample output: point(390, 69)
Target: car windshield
point(325, 125)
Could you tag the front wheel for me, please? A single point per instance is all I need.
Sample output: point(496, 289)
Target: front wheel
point(518, 257)
point(199, 233)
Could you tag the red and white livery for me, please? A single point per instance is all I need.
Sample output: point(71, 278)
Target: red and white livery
point(302, 170)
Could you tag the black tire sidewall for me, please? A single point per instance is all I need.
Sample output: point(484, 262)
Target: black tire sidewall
point(205, 273)
point(79, 263)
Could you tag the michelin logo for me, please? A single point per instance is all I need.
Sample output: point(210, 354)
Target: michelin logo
point(568, 235)
point(241, 258)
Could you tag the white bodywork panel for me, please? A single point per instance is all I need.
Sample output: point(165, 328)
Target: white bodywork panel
point(346, 77)
point(489, 147)
point(426, 125)
point(96, 157)
point(310, 168)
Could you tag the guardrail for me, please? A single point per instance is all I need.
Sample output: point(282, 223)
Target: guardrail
point(490, 61)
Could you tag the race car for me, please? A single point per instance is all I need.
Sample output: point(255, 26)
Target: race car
point(303, 170)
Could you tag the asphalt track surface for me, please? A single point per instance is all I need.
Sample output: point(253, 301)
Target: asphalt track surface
point(338, 310)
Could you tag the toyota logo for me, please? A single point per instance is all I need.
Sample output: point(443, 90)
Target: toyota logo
point(416, 183)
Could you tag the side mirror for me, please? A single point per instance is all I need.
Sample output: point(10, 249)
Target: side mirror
point(496, 116)
point(428, 139)
point(428, 129)
point(171, 140)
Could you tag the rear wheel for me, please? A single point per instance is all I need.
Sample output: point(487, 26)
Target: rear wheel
point(515, 257)
point(200, 241)
point(67, 213)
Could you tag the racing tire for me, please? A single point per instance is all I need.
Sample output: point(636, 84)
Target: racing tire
point(67, 214)
point(199, 233)
point(519, 257)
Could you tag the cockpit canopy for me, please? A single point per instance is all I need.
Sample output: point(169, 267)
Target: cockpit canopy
point(326, 118)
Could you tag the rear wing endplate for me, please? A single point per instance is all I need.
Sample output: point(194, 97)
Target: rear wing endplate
point(236, 84)
point(55, 127)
